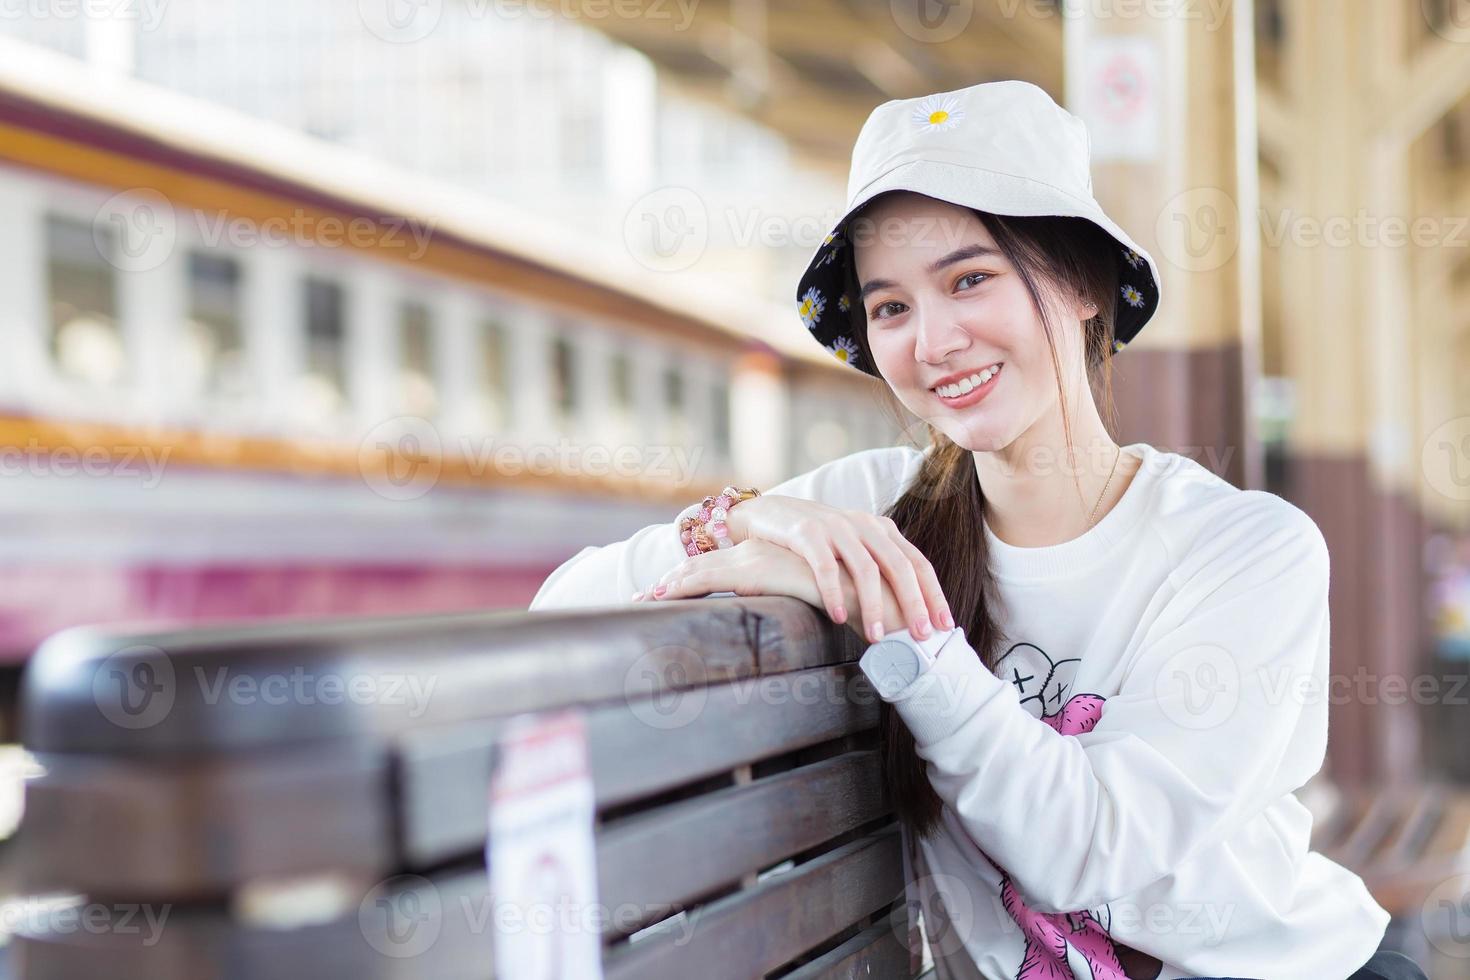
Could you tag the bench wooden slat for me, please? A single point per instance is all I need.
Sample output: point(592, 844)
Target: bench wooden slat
point(755, 931)
point(876, 952)
point(667, 857)
point(1420, 809)
point(1372, 818)
point(445, 773)
point(197, 828)
point(480, 666)
point(1444, 853)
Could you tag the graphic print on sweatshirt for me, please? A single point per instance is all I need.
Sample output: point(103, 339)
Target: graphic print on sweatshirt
point(1062, 945)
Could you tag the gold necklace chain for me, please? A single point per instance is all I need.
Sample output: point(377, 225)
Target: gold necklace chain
point(1092, 518)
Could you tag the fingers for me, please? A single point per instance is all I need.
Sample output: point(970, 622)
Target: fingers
point(938, 605)
point(697, 575)
point(867, 579)
point(814, 545)
point(903, 578)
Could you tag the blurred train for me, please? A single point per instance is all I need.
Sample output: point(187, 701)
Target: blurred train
point(248, 373)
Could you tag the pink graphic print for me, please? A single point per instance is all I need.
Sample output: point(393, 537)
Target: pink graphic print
point(1041, 684)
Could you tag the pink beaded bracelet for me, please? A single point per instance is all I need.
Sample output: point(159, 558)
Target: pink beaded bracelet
point(706, 529)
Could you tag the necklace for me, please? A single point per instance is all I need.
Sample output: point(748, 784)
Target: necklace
point(1092, 518)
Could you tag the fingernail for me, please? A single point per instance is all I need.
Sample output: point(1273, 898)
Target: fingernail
point(637, 596)
point(875, 633)
point(658, 593)
point(840, 615)
point(946, 620)
point(922, 627)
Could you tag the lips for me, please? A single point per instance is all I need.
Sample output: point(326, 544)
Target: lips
point(952, 378)
point(956, 386)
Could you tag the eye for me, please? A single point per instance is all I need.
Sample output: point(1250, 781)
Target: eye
point(978, 277)
point(878, 314)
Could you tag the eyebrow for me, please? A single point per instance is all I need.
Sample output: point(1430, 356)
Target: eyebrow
point(960, 254)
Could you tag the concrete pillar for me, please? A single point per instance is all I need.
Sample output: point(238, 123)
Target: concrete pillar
point(760, 431)
point(1350, 349)
point(1167, 101)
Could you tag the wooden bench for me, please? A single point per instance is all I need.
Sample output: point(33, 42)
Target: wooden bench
point(1410, 844)
point(732, 752)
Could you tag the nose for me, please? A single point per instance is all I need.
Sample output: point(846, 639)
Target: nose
point(937, 335)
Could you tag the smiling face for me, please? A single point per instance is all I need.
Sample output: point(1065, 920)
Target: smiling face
point(952, 326)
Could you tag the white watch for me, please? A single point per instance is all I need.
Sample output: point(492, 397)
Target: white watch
point(897, 660)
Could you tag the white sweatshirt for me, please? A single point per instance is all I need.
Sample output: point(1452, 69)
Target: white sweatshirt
point(1126, 777)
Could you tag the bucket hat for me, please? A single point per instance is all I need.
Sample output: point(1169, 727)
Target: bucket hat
point(1002, 147)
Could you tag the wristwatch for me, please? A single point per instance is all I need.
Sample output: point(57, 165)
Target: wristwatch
point(897, 660)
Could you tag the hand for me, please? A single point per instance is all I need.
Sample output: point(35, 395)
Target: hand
point(757, 567)
point(749, 568)
point(869, 546)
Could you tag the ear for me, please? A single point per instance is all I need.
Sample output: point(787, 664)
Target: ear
point(1084, 309)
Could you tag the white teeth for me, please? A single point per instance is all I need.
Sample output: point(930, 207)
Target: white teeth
point(966, 385)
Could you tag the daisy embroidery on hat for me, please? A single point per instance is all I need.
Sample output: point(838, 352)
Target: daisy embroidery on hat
point(833, 244)
point(1133, 258)
point(1132, 296)
point(939, 113)
point(811, 307)
point(844, 350)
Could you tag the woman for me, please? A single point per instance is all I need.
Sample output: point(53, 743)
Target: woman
point(1096, 661)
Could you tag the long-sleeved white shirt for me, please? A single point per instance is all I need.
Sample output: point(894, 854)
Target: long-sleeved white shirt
point(1123, 783)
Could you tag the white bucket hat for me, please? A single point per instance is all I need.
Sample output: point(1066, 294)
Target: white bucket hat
point(1002, 147)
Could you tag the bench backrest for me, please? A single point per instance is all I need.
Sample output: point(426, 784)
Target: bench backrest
point(311, 798)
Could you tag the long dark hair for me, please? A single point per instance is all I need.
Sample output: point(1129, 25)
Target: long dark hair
point(942, 510)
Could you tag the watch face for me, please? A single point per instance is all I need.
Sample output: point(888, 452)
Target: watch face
point(890, 667)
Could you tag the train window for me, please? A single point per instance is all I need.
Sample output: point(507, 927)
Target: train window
point(564, 380)
point(325, 382)
point(214, 333)
point(86, 341)
point(720, 418)
point(675, 415)
point(416, 390)
point(495, 373)
point(621, 367)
